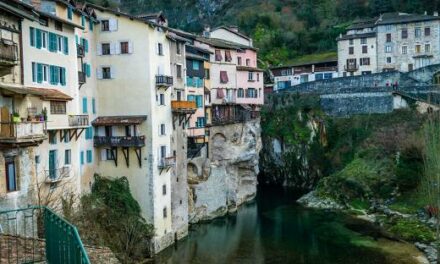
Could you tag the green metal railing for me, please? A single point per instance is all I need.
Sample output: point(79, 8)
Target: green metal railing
point(36, 234)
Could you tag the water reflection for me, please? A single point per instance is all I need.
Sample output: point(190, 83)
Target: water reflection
point(273, 230)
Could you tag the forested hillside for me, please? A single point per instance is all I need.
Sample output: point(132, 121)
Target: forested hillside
point(282, 29)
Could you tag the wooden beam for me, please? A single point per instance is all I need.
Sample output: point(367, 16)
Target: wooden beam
point(126, 152)
point(80, 132)
point(139, 156)
point(115, 155)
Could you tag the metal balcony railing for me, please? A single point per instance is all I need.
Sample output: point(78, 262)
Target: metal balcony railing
point(8, 53)
point(164, 80)
point(78, 120)
point(23, 232)
point(137, 141)
point(80, 52)
point(166, 162)
point(81, 77)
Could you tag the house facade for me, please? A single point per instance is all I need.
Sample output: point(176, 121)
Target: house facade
point(393, 41)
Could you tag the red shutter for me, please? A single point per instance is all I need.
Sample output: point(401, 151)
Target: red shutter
point(218, 55)
point(220, 94)
point(228, 56)
point(223, 77)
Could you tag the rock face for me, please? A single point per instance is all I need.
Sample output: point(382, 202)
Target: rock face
point(227, 178)
point(311, 200)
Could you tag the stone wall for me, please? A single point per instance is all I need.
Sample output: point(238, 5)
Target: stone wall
point(357, 103)
point(228, 177)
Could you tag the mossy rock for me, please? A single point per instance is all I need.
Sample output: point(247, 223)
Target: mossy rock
point(412, 230)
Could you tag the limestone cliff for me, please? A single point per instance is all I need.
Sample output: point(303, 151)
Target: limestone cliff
point(227, 178)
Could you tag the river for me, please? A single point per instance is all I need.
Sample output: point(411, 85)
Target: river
point(274, 229)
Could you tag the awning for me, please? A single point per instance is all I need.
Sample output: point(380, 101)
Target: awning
point(43, 93)
point(118, 120)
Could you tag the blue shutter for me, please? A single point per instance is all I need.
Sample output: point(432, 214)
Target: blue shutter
point(88, 70)
point(39, 73)
point(84, 105)
point(69, 13)
point(76, 39)
point(83, 21)
point(66, 45)
point(52, 74)
point(86, 45)
point(52, 42)
point(90, 24)
point(89, 156)
point(38, 38)
point(34, 72)
point(32, 36)
point(63, 76)
point(93, 106)
point(82, 157)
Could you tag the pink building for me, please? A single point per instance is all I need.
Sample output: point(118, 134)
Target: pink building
point(250, 86)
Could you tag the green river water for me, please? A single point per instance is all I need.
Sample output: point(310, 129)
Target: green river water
point(274, 229)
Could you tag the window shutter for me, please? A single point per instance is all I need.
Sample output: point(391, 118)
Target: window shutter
point(157, 48)
point(86, 45)
point(88, 71)
point(52, 74)
point(38, 38)
point(112, 72)
point(34, 72)
point(91, 24)
point(84, 106)
point(66, 45)
point(113, 48)
point(63, 76)
point(130, 47)
point(117, 47)
point(39, 73)
point(103, 154)
point(99, 73)
point(113, 24)
point(32, 36)
point(99, 49)
point(93, 106)
point(76, 39)
point(52, 41)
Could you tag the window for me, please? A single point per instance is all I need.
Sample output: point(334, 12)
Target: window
point(404, 49)
point(207, 74)
point(427, 31)
point(165, 212)
point(364, 61)
point(108, 131)
point(162, 131)
point(258, 77)
point(218, 55)
point(286, 72)
point(84, 105)
point(364, 49)
point(417, 32)
point(109, 154)
point(196, 65)
point(200, 122)
point(223, 77)
point(89, 133)
point(105, 25)
point(105, 47)
point(164, 189)
point(57, 107)
point(304, 78)
point(124, 47)
point(228, 56)
point(67, 157)
point(388, 27)
point(11, 179)
point(363, 41)
point(93, 106)
point(240, 93)
point(251, 93)
point(58, 26)
point(388, 59)
point(163, 151)
point(44, 21)
point(388, 49)
point(179, 71)
point(418, 48)
point(350, 42)
point(199, 101)
point(52, 137)
point(66, 136)
point(328, 75)
point(283, 85)
point(159, 49)
point(250, 76)
point(89, 155)
point(161, 99)
point(351, 50)
point(69, 12)
point(43, 39)
point(319, 76)
point(388, 37)
point(248, 62)
point(239, 60)
point(404, 34)
point(427, 48)
point(85, 44)
point(106, 73)
point(178, 51)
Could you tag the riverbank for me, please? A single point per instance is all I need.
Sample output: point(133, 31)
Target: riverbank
point(415, 229)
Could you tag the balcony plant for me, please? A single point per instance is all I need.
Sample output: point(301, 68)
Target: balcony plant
point(44, 114)
point(16, 117)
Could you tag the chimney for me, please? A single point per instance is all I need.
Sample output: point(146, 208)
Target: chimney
point(435, 13)
point(207, 32)
point(233, 28)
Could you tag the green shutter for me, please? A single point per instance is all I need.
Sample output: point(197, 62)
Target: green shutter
point(83, 21)
point(38, 38)
point(91, 24)
point(34, 72)
point(52, 42)
point(93, 106)
point(69, 13)
point(32, 36)
point(52, 74)
point(84, 105)
point(66, 45)
point(88, 70)
point(76, 39)
point(63, 76)
point(86, 45)
point(39, 73)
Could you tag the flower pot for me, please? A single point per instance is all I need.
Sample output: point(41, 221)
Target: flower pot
point(16, 119)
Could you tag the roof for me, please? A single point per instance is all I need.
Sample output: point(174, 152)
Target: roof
point(56, 18)
point(363, 23)
point(203, 50)
point(18, 11)
point(223, 44)
point(119, 120)
point(182, 33)
point(190, 55)
point(118, 13)
point(251, 69)
point(398, 17)
point(355, 36)
point(43, 93)
point(232, 31)
point(175, 37)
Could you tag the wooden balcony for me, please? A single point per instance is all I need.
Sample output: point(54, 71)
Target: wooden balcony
point(167, 162)
point(183, 107)
point(80, 52)
point(164, 81)
point(78, 120)
point(121, 141)
point(24, 133)
point(81, 77)
point(8, 53)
